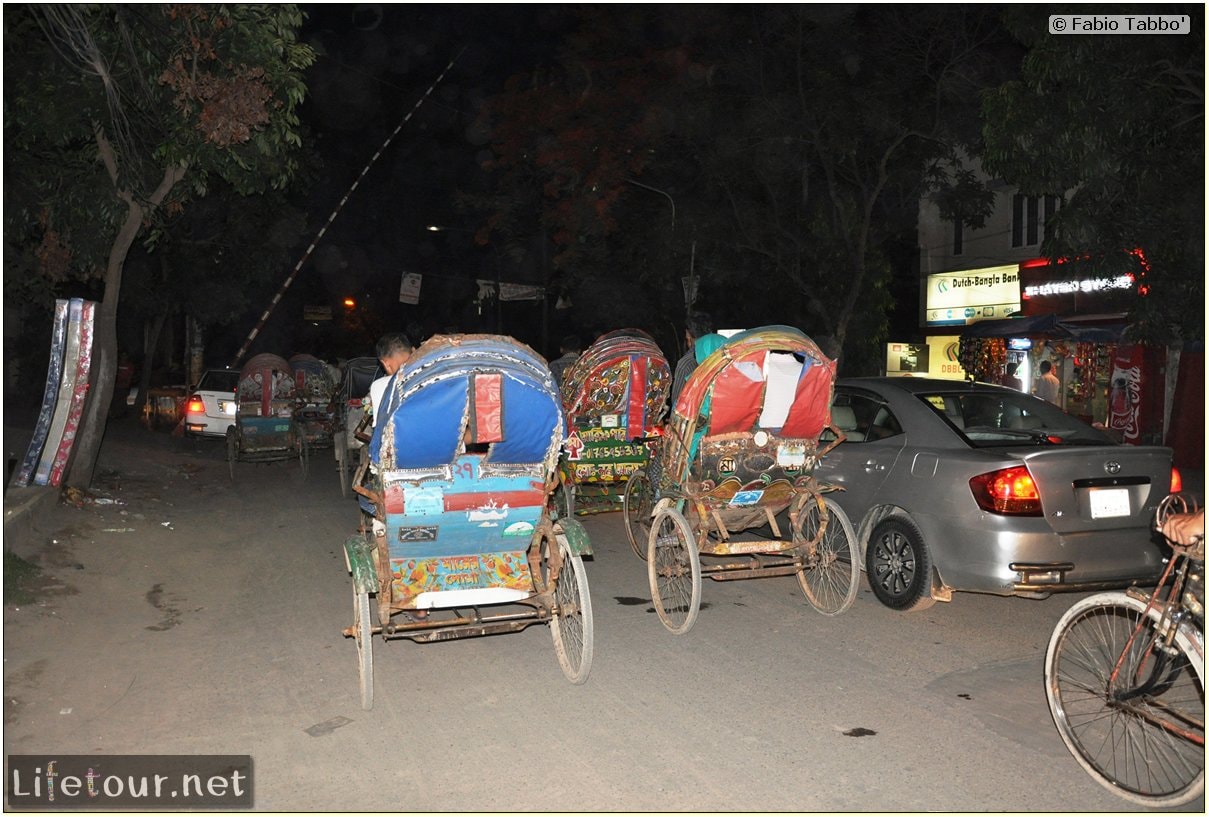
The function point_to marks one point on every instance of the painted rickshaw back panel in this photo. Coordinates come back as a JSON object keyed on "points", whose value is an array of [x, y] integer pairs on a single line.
{"points": [[467, 450], [267, 396], [745, 431], [740, 449], [314, 387], [615, 397], [463, 540]]}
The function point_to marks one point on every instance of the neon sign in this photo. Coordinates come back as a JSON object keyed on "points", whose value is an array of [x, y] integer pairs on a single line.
{"points": [[1085, 285]]}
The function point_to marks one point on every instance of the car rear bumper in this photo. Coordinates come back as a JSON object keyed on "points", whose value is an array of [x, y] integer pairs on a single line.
{"points": [[207, 426], [1028, 563], [1038, 579]]}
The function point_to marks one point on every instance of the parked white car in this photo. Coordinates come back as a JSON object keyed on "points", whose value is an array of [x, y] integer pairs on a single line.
{"points": [[210, 409]]}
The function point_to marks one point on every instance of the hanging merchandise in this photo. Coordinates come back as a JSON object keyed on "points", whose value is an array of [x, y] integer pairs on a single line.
{"points": [[983, 358]]}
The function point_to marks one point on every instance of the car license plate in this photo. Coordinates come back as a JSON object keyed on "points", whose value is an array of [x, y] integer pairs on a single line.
{"points": [[226, 407], [1109, 502]]}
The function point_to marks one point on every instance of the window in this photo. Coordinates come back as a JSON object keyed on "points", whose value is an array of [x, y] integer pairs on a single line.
{"points": [[862, 417], [1018, 220], [1031, 220], [1030, 215]]}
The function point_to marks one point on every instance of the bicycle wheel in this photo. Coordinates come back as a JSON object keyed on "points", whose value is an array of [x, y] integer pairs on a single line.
{"points": [[674, 571], [831, 581], [636, 505], [1142, 734]]}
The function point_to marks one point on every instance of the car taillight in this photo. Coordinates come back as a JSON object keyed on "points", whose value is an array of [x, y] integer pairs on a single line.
{"points": [[195, 405], [1009, 491], [1177, 481]]}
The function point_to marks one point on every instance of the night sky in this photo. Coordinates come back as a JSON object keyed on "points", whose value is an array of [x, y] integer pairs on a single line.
{"points": [[375, 63]]}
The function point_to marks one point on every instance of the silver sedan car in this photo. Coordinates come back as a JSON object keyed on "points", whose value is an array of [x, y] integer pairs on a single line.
{"points": [[969, 486]]}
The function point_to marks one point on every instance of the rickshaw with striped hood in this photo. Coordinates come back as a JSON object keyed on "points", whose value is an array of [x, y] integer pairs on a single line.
{"points": [[731, 494], [615, 398], [464, 540]]}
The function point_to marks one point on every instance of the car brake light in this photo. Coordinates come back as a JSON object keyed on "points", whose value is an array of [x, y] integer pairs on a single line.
{"points": [[1009, 491], [1177, 481], [195, 405]]}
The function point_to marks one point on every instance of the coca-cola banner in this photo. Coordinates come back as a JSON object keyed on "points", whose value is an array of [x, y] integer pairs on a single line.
{"points": [[1136, 393]]}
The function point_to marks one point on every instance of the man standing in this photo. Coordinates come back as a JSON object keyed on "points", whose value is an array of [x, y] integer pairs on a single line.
{"points": [[1048, 385], [697, 325]]}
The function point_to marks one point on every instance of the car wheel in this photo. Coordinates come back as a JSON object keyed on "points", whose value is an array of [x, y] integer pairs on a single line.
{"points": [[899, 566]]}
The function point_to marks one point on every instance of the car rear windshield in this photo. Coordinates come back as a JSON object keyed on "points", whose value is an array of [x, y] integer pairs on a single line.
{"points": [[995, 418], [219, 380]]}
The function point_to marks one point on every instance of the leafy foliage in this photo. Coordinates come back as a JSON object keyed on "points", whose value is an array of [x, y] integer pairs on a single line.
{"points": [[211, 88], [1116, 123], [108, 108], [791, 142]]}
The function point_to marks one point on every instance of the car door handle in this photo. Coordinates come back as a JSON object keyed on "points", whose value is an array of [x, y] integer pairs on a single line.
{"points": [[873, 465]]}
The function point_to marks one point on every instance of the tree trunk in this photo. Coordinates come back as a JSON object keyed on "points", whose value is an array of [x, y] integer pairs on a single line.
{"points": [[152, 347], [105, 340]]}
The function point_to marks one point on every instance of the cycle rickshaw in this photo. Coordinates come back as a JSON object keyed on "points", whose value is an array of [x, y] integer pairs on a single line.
{"points": [[314, 388], [464, 541], [348, 408], [265, 429], [740, 449], [615, 398]]}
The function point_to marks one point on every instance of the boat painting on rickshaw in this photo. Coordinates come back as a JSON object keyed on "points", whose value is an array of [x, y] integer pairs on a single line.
{"points": [[615, 398], [463, 541], [740, 449], [265, 428]]}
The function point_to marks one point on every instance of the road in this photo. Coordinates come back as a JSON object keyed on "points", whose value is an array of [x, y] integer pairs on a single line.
{"points": [[205, 616]]}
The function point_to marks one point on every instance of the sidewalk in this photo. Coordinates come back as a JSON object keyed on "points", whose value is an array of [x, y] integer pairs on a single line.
{"points": [[25, 508]]}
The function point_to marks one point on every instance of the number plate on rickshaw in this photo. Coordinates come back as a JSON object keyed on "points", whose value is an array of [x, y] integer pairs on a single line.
{"points": [[1107, 503], [747, 498], [609, 421]]}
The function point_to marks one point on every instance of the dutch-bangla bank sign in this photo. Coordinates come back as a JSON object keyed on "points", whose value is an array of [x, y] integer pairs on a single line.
{"points": [[967, 296]]}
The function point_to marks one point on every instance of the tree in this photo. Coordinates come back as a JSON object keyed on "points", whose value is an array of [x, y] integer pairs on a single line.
{"points": [[118, 115], [795, 142], [842, 120], [1117, 123]]}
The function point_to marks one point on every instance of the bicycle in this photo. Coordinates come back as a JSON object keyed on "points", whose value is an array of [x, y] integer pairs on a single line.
{"points": [[1124, 677]]}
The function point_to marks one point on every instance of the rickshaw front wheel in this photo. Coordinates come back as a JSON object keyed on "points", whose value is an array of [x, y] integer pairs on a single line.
{"points": [[674, 571], [363, 632], [831, 578], [636, 504], [571, 625]]}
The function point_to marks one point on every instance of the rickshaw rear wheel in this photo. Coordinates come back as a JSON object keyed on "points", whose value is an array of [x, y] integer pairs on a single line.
{"points": [[636, 504], [340, 449], [571, 625], [232, 450], [564, 499], [674, 571], [830, 581], [365, 651]]}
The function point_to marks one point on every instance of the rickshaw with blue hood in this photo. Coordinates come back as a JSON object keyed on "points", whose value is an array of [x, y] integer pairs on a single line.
{"points": [[740, 451], [464, 540]]}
